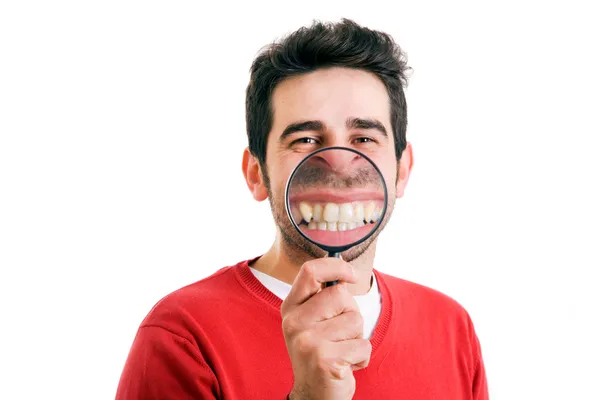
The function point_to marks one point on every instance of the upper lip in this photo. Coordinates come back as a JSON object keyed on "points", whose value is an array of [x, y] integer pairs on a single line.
{"points": [[336, 196]]}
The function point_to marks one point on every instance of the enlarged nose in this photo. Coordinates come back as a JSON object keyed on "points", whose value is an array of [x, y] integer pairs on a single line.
{"points": [[339, 160]]}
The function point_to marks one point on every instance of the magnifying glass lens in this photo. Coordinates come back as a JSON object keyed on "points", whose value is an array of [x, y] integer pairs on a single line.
{"points": [[336, 198]]}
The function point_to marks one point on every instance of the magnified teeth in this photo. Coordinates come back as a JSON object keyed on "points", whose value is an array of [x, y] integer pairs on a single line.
{"points": [[369, 208], [346, 213], [336, 217], [359, 212], [376, 215], [317, 212], [306, 210], [331, 212], [296, 215]]}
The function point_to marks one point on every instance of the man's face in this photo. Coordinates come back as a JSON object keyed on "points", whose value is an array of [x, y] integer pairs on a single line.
{"points": [[329, 107]]}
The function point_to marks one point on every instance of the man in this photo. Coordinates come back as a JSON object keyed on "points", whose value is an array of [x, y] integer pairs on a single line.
{"points": [[268, 328]]}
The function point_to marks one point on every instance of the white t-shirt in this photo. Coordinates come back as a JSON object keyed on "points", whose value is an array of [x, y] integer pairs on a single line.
{"points": [[368, 303]]}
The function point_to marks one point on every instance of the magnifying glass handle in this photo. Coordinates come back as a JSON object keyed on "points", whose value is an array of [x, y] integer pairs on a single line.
{"points": [[336, 255]]}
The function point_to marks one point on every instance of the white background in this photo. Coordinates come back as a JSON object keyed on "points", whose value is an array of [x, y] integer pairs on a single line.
{"points": [[121, 135]]}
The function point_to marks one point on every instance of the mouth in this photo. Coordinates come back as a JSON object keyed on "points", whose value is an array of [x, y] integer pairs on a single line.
{"points": [[334, 216], [337, 224]]}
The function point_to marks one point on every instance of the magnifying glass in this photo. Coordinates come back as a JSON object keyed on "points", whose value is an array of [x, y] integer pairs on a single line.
{"points": [[336, 198]]}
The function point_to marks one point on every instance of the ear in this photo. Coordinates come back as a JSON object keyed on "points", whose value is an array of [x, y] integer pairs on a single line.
{"points": [[404, 169], [253, 176]]}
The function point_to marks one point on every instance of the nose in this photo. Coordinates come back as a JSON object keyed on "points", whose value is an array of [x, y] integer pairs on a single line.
{"points": [[339, 160]]}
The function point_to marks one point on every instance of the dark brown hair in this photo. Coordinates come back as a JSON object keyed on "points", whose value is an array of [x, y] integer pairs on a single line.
{"points": [[341, 44]]}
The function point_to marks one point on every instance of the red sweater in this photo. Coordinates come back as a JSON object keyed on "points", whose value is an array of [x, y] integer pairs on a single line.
{"points": [[220, 338]]}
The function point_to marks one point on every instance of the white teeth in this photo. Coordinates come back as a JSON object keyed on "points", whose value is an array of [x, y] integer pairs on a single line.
{"points": [[317, 212], [346, 212], [331, 212], [306, 211], [296, 215], [332, 226], [347, 215], [369, 211], [376, 215], [359, 213]]}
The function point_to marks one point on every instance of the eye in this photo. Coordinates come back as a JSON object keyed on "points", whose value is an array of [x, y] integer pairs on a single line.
{"points": [[364, 139], [305, 140]]}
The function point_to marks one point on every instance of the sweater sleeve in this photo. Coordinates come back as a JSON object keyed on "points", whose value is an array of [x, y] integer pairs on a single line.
{"points": [[163, 365], [480, 386]]}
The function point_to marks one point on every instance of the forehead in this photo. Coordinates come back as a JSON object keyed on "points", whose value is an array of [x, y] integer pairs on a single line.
{"points": [[331, 95]]}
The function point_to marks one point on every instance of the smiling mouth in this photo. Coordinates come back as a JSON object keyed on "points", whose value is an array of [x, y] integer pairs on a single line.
{"points": [[336, 217]]}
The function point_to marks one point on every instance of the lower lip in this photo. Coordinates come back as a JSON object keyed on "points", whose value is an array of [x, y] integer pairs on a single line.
{"points": [[337, 238]]}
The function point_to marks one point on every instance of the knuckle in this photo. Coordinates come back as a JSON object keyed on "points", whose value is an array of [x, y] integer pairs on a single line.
{"points": [[284, 308], [340, 291], [290, 325], [356, 321], [286, 327], [365, 348], [308, 271], [304, 343]]}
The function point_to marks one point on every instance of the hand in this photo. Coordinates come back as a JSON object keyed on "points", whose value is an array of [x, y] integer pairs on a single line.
{"points": [[323, 331]]}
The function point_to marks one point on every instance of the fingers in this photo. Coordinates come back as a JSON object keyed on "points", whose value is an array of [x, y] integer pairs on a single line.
{"points": [[354, 352], [346, 326], [349, 355], [326, 304], [312, 275]]}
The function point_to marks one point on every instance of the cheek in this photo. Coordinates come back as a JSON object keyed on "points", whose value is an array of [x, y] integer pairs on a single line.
{"points": [[280, 171], [390, 176], [277, 181], [389, 170]]}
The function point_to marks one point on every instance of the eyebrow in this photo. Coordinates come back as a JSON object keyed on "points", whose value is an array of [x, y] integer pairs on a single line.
{"points": [[304, 126], [366, 123], [319, 126]]}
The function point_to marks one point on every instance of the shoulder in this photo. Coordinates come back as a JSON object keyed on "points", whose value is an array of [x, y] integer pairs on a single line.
{"points": [[438, 321], [196, 301], [424, 300]]}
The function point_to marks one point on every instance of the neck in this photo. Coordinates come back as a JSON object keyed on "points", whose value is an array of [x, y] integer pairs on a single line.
{"points": [[277, 263]]}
